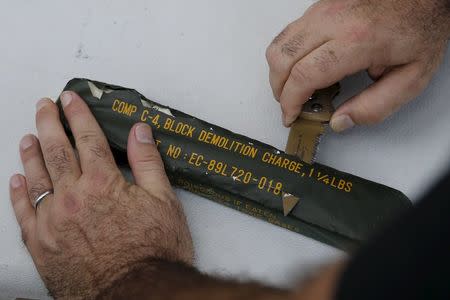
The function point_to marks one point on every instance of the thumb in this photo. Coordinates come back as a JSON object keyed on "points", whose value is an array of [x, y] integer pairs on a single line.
{"points": [[382, 98], [145, 160]]}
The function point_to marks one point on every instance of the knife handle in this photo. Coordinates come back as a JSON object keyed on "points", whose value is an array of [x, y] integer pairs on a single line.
{"points": [[319, 107]]}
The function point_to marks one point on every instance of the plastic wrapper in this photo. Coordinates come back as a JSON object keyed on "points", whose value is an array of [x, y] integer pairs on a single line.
{"points": [[336, 208]]}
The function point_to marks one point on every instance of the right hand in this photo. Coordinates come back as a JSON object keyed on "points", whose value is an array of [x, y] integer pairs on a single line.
{"points": [[400, 42]]}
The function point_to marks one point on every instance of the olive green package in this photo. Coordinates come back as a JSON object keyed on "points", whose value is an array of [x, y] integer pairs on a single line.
{"points": [[335, 208]]}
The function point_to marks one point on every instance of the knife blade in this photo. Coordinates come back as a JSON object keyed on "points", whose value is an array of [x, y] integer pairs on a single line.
{"points": [[306, 132]]}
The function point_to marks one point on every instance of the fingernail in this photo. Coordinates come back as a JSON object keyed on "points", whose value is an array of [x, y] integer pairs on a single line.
{"points": [[41, 103], [15, 181], [143, 134], [26, 142], [342, 123], [66, 98]]}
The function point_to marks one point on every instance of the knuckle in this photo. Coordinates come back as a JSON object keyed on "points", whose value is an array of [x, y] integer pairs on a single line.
{"points": [[48, 244], [58, 158], [299, 74], [71, 203], [281, 36], [361, 32], [37, 189], [98, 179], [290, 49], [156, 171], [294, 45], [88, 137], [99, 151], [136, 193], [273, 55], [150, 158], [325, 60], [57, 151], [100, 207], [103, 183], [95, 143]]}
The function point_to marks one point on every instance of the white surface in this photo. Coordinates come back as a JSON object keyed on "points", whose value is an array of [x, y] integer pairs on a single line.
{"points": [[205, 58]]}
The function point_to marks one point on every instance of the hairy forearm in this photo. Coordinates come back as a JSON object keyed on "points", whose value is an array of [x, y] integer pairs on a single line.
{"points": [[441, 10], [444, 6], [158, 279], [435, 13]]}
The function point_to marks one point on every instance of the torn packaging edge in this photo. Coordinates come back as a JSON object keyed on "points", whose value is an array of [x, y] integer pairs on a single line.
{"points": [[336, 208]]}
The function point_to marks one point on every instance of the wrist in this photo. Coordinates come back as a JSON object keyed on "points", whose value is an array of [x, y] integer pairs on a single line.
{"points": [[150, 274], [176, 280]]}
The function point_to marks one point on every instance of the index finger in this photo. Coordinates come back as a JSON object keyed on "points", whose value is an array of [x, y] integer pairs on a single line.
{"points": [[90, 140], [323, 67]]}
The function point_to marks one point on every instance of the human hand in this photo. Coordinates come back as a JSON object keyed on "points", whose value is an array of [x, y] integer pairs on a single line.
{"points": [[400, 43], [96, 225]]}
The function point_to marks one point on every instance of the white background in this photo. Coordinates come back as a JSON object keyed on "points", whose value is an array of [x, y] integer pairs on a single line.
{"points": [[205, 58]]}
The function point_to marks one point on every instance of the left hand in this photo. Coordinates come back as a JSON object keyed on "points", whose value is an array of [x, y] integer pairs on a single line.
{"points": [[96, 226]]}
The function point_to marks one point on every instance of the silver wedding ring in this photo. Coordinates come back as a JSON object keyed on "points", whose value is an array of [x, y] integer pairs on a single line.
{"points": [[41, 197]]}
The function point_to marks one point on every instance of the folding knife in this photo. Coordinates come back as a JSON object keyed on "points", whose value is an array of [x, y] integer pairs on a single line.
{"points": [[306, 132]]}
